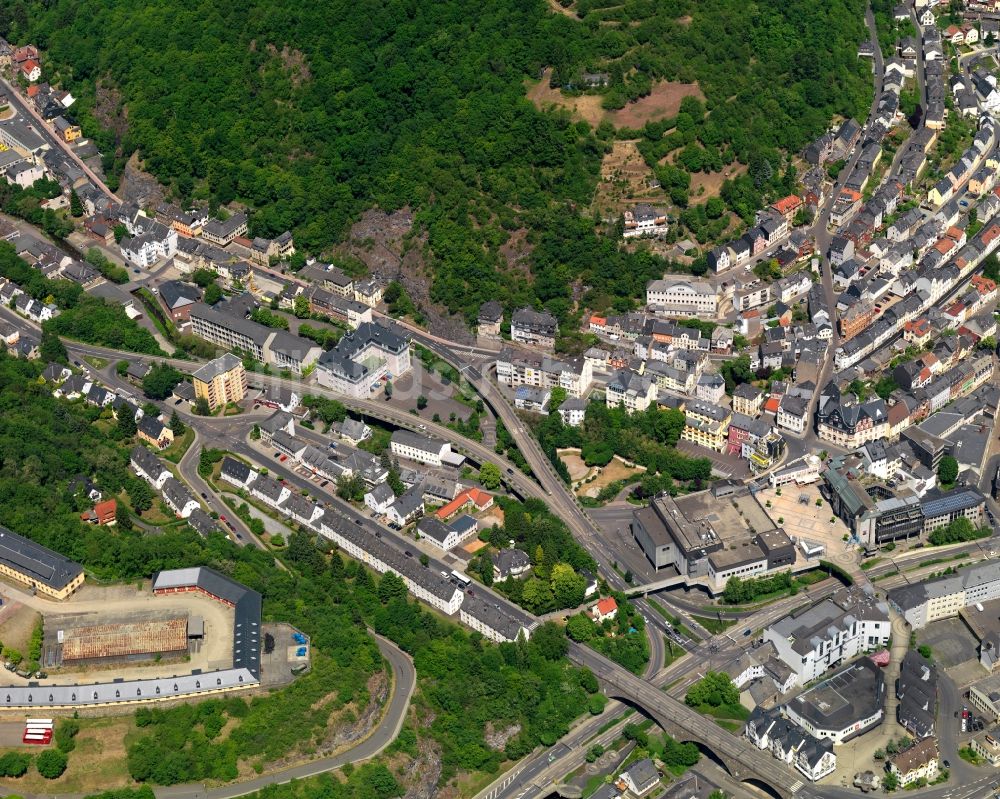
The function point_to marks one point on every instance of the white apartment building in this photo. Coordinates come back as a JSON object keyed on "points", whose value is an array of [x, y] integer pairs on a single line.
{"points": [[682, 297], [363, 359], [630, 390], [943, 597], [422, 449], [573, 375]]}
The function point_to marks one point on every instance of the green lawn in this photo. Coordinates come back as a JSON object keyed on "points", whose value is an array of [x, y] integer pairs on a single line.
{"points": [[713, 624]]}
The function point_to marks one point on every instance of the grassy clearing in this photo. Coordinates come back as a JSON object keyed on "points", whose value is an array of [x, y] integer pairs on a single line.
{"points": [[713, 624]]}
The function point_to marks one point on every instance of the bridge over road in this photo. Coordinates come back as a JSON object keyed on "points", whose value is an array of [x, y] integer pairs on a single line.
{"points": [[740, 758]]}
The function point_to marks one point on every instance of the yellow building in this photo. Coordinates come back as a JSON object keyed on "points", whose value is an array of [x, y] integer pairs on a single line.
{"points": [[706, 425], [221, 381], [48, 573], [67, 130]]}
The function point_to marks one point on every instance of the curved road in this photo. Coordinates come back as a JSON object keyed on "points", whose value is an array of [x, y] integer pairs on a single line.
{"points": [[403, 683]]}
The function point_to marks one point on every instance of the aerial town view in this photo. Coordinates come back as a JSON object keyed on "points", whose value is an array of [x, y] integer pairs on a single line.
{"points": [[530, 399]]}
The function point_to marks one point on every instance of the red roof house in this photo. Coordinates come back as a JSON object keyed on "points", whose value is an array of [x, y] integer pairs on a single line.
{"points": [[607, 608], [102, 513]]}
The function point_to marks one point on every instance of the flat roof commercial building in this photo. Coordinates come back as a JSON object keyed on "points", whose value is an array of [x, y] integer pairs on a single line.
{"points": [[844, 706], [47, 572], [704, 535]]}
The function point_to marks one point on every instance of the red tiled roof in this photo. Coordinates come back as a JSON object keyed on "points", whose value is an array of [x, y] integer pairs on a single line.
{"points": [[471, 495], [102, 512], [787, 204], [607, 606]]}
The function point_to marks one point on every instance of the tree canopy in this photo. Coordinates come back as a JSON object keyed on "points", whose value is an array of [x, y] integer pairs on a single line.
{"points": [[311, 118]]}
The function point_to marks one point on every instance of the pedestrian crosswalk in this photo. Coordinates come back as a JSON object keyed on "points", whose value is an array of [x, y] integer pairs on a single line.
{"points": [[796, 786]]}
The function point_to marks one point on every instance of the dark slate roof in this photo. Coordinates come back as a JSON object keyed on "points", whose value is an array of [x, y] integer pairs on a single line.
{"points": [[37, 562], [246, 601], [235, 469]]}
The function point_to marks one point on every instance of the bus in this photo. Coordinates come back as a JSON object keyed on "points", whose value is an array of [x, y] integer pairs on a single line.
{"points": [[36, 738], [461, 578], [38, 722]]}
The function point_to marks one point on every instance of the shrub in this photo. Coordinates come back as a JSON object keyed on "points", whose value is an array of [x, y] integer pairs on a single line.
{"points": [[51, 763], [14, 764]]}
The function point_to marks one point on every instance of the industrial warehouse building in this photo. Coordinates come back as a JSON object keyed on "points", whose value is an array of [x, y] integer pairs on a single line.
{"points": [[244, 672], [47, 572]]}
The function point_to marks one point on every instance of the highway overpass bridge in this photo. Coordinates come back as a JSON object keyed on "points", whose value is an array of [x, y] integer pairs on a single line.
{"points": [[738, 756]]}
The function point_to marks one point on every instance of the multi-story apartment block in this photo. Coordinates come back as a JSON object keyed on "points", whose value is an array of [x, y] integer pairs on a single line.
{"points": [[706, 425], [221, 381], [747, 399], [534, 328], [844, 421], [630, 390], [277, 348], [223, 232], [943, 597], [574, 375], [364, 358]]}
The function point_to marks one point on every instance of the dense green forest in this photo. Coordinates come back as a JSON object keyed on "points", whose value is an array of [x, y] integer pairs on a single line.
{"points": [[314, 116], [463, 682]]}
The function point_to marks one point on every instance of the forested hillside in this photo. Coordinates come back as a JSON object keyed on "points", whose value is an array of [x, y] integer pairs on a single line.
{"points": [[315, 112], [465, 686]]}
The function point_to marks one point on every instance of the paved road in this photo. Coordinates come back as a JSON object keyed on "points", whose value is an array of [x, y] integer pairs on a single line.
{"points": [[27, 111]]}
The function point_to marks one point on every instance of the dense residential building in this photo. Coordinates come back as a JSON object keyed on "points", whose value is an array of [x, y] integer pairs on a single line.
{"points": [[747, 399], [221, 381], [446, 536], [534, 328], [630, 390], [843, 420], [838, 629], [277, 348], [644, 220], [223, 232], [490, 319], [916, 690], [770, 730], [152, 242], [574, 375], [919, 762], [943, 597], [706, 425]]}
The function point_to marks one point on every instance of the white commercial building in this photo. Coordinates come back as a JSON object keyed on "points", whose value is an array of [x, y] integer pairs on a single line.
{"points": [[836, 630]]}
